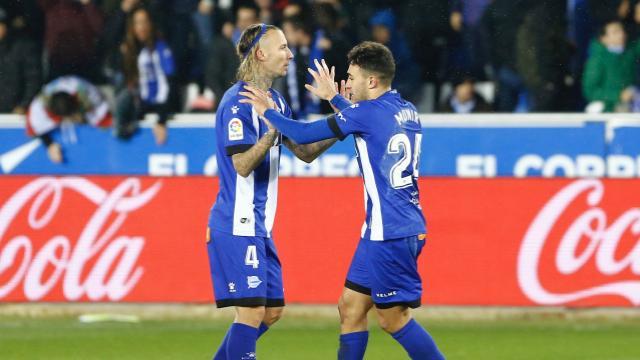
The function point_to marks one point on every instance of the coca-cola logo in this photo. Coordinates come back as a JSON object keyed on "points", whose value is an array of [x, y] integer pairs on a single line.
{"points": [[100, 264], [590, 238]]}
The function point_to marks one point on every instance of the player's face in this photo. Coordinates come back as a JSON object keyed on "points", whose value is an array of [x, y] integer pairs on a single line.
{"points": [[276, 53], [357, 83]]}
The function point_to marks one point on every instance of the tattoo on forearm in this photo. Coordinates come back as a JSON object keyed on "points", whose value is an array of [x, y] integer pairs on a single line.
{"points": [[246, 162]]}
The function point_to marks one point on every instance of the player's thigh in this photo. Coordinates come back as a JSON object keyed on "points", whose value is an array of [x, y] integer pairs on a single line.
{"points": [[236, 269], [273, 278], [393, 272], [358, 278]]}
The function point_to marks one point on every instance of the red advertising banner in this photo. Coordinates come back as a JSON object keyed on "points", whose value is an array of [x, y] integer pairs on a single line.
{"points": [[516, 242]]}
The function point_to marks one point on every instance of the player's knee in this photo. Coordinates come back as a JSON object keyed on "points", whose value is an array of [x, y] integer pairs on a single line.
{"points": [[272, 315], [391, 321], [251, 316], [350, 313]]}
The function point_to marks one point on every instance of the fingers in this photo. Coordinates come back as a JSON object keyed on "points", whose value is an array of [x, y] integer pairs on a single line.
{"points": [[249, 95], [312, 90], [314, 74], [333, 72], [326, 70]]}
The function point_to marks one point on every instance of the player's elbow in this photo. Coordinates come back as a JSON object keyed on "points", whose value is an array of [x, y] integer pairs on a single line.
{"points": [[243, 172], [308, 158]]}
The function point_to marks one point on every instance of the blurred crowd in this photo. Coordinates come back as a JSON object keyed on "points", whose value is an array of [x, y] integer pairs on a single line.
{"points": [[169, 56]]}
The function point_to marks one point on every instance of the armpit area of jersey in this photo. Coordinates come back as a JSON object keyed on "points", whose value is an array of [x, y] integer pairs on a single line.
{"points": [[237, 149]]}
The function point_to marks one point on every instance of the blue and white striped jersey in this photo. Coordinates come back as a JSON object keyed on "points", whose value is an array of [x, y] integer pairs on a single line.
{"points": [[154, 68], [388, 135], [245, 206]]}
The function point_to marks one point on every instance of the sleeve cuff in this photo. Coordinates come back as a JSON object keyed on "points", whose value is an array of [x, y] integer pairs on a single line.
{"points": [[46, 139], [237, 149], [339, 102], [333, 125]]}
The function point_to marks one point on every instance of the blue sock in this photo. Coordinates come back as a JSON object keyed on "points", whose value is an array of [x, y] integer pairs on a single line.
{"points": [[353, 345], [242, 342], [417, 342], [221, 354], [262, 329]]}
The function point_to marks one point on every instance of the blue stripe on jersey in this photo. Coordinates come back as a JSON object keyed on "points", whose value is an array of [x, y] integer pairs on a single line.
{"points": [[244, 206]]}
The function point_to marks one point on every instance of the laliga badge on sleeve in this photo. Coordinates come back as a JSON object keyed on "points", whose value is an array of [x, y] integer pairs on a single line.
{"points": [[235, 129]]}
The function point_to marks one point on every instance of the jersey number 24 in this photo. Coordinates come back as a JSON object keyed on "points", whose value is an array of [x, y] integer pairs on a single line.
{"points": [[400, 143]]}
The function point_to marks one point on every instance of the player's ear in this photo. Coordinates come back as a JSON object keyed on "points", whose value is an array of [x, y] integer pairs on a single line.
{"points": [[260, 54], [373, 82]]}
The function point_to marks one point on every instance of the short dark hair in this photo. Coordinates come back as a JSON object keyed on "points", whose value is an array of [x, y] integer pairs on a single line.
{"points": [[375, 58], [63, 104], [298, 22]]}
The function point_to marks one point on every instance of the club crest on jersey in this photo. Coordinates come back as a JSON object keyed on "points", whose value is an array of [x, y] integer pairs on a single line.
{"points": [[235, 129], [253, 282]]}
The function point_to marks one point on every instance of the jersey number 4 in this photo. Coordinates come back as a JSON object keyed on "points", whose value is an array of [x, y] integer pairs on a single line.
{"points": [[400, 143], [251, 258]]}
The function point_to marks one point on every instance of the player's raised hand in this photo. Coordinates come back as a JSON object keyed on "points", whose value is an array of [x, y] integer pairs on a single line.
{"points": [[325, 87], [259, 99]]}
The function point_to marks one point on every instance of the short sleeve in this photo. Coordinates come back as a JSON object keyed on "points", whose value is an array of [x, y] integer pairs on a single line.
{"points": [[352, 120], [237, 129]]}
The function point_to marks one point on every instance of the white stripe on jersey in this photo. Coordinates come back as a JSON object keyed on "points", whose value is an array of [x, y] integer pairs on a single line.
{"points": [[272, 189], [142, 75], [244, 220], [372, 190], [364, 225], [163, 85]]}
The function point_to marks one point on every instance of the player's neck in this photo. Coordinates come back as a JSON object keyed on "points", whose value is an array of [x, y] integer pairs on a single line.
{"points": [[261, 82], [377, 92]]}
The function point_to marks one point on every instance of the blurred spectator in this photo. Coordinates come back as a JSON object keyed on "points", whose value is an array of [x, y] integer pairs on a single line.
{"points": [[189, 30], [26, 19], [465, 18], [611, 69], [602, 11], [543, 55], [501, 21], [307, 45], [72, 30], [246, 14], [148, 69], [63, 102], [113, 37], [223, 61], [465, 99], [266, 11], [633, 24], [384, 31], [20, 69], [336, 44], [426, 26]]}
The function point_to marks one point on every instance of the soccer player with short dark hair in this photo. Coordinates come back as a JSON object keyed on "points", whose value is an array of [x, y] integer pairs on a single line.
{"points": [[387, 132], [244, 264]]}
